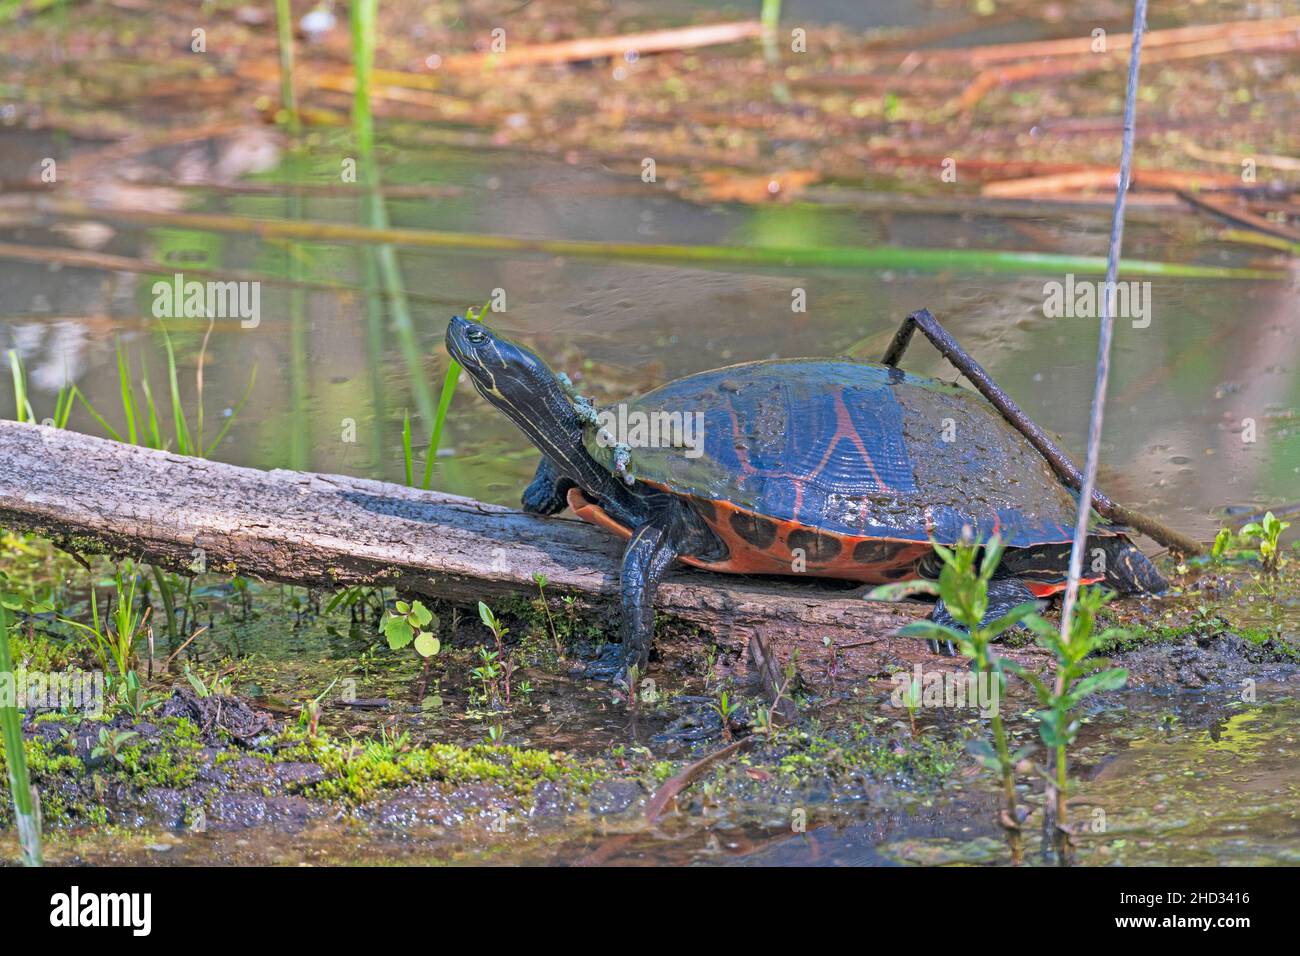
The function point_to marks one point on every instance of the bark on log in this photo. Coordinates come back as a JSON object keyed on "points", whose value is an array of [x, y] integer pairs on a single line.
{"points": [[90, 494]]}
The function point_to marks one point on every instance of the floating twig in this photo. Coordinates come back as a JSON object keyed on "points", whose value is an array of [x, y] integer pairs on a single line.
{"points": [[594, 48], [675, 785]]}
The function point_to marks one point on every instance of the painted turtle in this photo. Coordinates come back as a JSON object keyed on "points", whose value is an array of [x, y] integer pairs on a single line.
{"points": [[821, 467]]}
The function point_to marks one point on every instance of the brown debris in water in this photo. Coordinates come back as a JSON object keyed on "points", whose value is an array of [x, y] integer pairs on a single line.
{"points": [[218, 712]]}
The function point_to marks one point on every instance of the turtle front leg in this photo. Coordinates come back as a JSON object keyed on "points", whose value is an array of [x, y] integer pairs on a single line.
{"points": [[649, 555], [547, 493], [1004, 594]]}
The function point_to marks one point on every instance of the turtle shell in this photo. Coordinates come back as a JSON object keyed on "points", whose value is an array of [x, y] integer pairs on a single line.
{"points": [[850, 467]]}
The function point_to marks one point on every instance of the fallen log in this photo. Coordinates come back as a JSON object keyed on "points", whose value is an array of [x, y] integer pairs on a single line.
{"points": [[89, 494]]}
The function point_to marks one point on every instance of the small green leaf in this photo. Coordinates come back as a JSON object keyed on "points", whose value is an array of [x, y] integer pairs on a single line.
{"points": [[1013, 617], [1022, 753], [903, 589], [932, 631], [983, 752], [398, 632], [1112, 679], [421, 614], [427, 645]]}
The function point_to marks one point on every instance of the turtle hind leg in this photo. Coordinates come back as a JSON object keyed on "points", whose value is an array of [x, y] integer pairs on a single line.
{"points": [[1005, 593], [1126, 569], [547, 493], [650, 553]]}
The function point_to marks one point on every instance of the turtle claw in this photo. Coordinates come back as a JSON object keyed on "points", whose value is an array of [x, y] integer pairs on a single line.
{"points": [[946, 649]]}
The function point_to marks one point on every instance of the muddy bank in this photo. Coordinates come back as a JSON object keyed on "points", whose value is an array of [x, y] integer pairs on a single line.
{"points": [[289, 731], [199, 772]]}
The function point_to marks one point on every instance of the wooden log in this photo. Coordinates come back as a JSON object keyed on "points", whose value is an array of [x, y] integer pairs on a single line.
{"points": [[330, 531]]}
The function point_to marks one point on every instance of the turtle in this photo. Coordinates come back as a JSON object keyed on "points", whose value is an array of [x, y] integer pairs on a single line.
{"points": [[819, 467]]}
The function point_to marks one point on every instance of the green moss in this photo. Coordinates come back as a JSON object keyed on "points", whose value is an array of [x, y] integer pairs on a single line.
{"points": [[165, 761], [809, 754], [1136, 636], [37, 652], [45, 760], [357, 771]]}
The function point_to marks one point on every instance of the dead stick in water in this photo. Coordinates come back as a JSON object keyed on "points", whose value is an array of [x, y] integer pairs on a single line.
{"points": [[592, 48], [1020, 72], [675, 785], [1243, 217], [1013, 413], [1001, 52], [107, 262], [1104, 178]]}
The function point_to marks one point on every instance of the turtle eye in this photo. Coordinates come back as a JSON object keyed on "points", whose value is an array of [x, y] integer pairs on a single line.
{"points": [[476, 335]]}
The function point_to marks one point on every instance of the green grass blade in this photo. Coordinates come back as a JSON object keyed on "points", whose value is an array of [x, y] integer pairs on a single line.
{"points": [[922, 260], [184, 444], [387, 266], [233, 414], [22, 408], [284, 33], [63, 405], [444, 402], [128, 396], [406, 448], [94, 413], [20, 784], [155, 431]]}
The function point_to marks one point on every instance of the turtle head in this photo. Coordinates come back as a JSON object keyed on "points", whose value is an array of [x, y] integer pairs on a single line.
{"points": [[520, 384]]}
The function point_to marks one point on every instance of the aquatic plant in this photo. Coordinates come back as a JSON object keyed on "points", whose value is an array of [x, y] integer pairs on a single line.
{"points": [[112, 744], [1268, 530], [412, 623], [497, 664], [309, 714], [284, 40], [726, 709], [541, 581], [1077, 672], [22, 403], [1078, 675], [963, 586], [445, 396], [765, 714], [357, 599], [488, 673], [912, 701], [25, 798], [143, 426], [113, 639]]}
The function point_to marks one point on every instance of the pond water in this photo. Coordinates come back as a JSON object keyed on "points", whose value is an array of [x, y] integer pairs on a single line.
{"points": [[1217, 355], [1202, 423]]}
